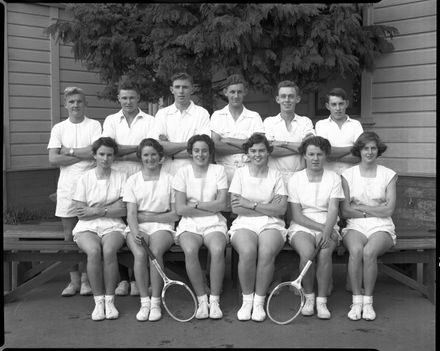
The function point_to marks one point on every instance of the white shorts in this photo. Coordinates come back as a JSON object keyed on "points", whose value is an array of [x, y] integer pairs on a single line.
{"points": [[100, 226], [65, 207], [370, 225], [258, 225], [319, 217], [202, 226], [335, 236], [153, 227]]}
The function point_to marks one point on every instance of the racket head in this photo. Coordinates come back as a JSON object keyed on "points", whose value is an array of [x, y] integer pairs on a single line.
{"points": [[285, 302], [179, 301]]}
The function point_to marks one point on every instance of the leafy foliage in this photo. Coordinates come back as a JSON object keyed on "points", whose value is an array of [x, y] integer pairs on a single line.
{"points": [[264, 42]]}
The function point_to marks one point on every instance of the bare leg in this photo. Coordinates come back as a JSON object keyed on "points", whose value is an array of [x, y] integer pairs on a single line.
{"points": [[216, 243], [355, 241], [90, 243], [324, 268], [190, 244], [245, 242], [111, 243], [304, 245], [140, 266], [160, 242]]}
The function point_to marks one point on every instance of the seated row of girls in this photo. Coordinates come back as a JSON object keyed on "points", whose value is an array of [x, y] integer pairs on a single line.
{"points": [[259, 198]]}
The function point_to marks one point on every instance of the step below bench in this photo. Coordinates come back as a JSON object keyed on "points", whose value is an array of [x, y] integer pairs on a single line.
{"points": [[43, 245]]}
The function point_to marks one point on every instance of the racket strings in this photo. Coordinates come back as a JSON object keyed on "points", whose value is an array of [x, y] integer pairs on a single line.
{"points": [[285, 304], [179, 302]]}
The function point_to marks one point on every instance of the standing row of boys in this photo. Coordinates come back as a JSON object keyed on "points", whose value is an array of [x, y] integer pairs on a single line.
{"points": [[159, 170]]}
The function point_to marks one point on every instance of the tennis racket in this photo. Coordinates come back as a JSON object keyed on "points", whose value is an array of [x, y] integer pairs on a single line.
{"points": [[287, 299], [177, 297]]}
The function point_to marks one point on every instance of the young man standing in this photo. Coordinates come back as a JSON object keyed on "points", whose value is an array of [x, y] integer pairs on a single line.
{"points": [[341, 130], [233, 125], [287, 130], [70, 149], [128, 127], [176, 123]]}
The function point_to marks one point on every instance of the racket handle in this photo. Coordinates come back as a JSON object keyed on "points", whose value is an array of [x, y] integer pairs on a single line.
{"points": [[147, 248]]}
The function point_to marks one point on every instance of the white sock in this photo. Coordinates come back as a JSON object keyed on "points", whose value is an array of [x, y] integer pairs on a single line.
{"points": [[310, 296], [321, 299], [109, 298], [367, 299], [155, 301], [357, 299], [98, 298], [145, 300], [259, 299], [202, 298], [213, 298], [248, 297]]}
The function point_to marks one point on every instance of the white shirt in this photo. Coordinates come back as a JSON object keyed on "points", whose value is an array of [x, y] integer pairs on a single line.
{"points": [[74, 135], [339, 137], [180, 126], [275, 129], [243, 127], [150, 195]]}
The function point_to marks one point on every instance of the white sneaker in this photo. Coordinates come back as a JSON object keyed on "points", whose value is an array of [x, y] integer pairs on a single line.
{"points": [[86, 290], [143, 313], [244, 313], [110, 310], [98, 313], [368, 312], [258, 313], [134, 289], [355, 312], [214, 310], [70, 290], [322, 310], [155, 313], [309, 307], [202, 310], [122, 288]]}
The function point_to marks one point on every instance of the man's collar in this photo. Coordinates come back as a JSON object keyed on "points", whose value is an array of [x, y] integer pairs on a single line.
{"points": [[140, 114]]}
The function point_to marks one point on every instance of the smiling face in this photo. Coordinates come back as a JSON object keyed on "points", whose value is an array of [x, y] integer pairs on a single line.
{"points": [[182, 90], [235, 94], [287, 99], [150, 158], [337, 107], [258, 154], [315, 158], [75, 105], [369, 152], [104, 157], [129, 100], [200, 153]]}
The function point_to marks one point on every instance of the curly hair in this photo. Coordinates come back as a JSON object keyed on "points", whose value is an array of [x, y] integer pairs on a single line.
{"points": [[104, 141], [150, 142], [317, 141], [363, 139], [201, 137], [257, 138]]}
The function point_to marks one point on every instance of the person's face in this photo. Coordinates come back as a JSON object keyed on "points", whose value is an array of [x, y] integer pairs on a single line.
{"points": [[369, 152], [150, 157], [258, 154], [337, 107], [75, 105], [129, 100], [287, 99], [235, 94], [104, 157], [315, 158], [182, 90], [200, 153]]}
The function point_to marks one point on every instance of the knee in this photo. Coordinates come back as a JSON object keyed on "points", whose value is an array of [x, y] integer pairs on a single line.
{"points": [[94, 254], [191, 252], [217, 252], [356, 253], [266, 256], [325, 256], [247, 255], [369, 255], [109, 254]]}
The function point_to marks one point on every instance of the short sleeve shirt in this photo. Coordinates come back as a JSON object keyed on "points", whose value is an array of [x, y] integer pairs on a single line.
{"points": [[368, 191], [256, 189], [150, 195], [99, 192], [200, 189], [314, 197], [115, 126], [275, 129], [179, 127], [339, 137]]}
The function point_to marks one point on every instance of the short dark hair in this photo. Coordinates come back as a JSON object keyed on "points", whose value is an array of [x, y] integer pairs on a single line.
{"points": [[181, 76], [257, 138], [201, 137], [235, 79], [363, 139], [128, 84], [339, 92], [104, 141], [288, 84], [317, 141], [149, 142]]}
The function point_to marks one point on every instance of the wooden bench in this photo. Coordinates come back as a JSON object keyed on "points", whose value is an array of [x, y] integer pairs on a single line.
{"points": [[414, 247], [50, 255]]}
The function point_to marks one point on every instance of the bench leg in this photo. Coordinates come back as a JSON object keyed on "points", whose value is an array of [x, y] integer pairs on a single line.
{"points": [[429, 271]]}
